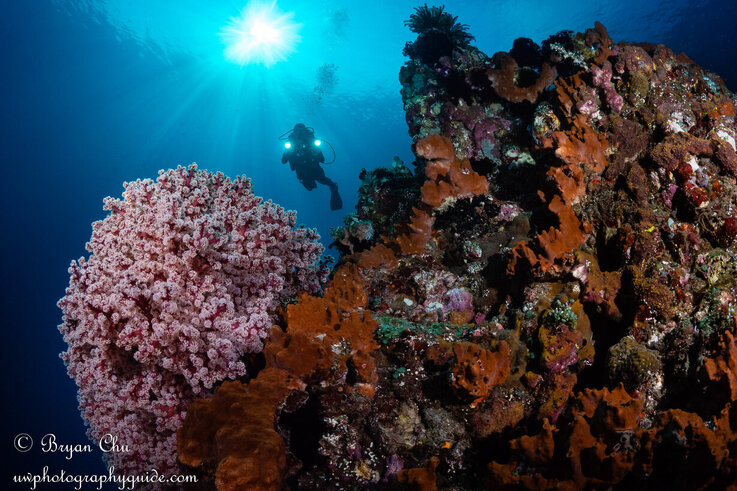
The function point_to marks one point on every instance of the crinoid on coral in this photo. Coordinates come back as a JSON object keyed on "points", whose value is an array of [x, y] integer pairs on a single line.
{"points": [[439, 33]]}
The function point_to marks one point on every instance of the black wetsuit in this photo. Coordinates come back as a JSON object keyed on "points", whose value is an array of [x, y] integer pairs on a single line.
{"points": [[305, 159]]}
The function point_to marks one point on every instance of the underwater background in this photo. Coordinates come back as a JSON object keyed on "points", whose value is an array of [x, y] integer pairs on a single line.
{"points": [[95, 93]]}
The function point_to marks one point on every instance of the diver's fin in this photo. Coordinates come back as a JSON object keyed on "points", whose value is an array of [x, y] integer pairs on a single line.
{"points": [[336, 203]]}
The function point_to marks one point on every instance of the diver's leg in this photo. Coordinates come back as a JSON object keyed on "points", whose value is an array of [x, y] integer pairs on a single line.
{"points": [[336, 202], [320, 177]]}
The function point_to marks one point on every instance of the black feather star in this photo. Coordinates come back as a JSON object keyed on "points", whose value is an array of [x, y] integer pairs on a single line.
{"points": [[426, 19]]}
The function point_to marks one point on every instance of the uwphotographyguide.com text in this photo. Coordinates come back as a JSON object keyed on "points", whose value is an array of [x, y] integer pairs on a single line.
{"points": [[34, 481]]}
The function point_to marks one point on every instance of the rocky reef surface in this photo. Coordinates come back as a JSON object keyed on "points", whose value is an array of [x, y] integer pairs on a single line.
{"points": [[544, 300]]}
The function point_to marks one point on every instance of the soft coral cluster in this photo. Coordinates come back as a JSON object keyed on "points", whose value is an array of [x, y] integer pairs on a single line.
{"points": [[183, 277]]}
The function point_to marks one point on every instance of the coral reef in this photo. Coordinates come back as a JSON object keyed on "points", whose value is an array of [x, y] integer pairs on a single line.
{"points": [[546, 299], [551, 289], [183, 278], [385, 198]]}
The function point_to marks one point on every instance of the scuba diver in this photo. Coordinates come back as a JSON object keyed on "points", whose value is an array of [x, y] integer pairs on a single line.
{"points": [[304, 156]]}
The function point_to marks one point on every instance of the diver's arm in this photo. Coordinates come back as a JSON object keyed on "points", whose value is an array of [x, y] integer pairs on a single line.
{"points": [[285, 157], [319, 156]]}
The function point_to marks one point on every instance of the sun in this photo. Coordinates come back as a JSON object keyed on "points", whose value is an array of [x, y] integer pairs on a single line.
{"points": [[261, 34]]}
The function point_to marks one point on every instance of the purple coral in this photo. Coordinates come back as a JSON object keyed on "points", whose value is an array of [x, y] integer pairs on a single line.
{"points": [[480, 124], [182, 278], [603, 80], [459, 300]]}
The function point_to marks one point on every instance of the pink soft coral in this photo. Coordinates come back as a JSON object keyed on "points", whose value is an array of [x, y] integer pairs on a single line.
{"points": [[181, 282]]}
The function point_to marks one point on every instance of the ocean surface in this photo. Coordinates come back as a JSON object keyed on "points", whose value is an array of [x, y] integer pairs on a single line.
{"points": [[95, 93]]}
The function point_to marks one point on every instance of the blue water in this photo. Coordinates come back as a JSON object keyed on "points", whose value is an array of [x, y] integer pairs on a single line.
{"points": [[94, 93]]}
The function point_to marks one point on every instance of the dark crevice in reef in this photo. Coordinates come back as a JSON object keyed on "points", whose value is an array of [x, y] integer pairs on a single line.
{"points": [[303, 429], [607, 333], [254, 363]]}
